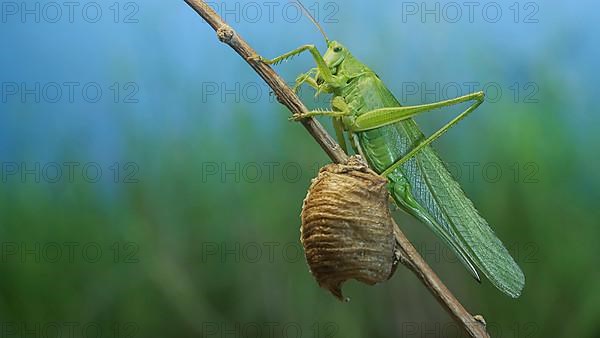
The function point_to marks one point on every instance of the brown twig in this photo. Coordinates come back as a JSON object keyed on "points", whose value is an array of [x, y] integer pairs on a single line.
{"points": [[408, 255]]}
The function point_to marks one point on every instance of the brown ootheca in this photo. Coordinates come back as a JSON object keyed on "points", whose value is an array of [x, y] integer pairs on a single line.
{"points": [[347, 229]]}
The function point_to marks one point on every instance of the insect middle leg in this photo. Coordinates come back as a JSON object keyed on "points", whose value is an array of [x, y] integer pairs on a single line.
{"points": [[338, 126], [385, 116], [340, 109], [308, 79]]}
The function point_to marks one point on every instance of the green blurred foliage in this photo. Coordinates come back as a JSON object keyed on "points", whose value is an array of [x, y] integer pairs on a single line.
{"points": [[200, 243], [209, 249]]}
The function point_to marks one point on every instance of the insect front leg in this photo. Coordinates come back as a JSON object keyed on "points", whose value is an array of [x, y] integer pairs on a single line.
{"points": [[323, 70]]}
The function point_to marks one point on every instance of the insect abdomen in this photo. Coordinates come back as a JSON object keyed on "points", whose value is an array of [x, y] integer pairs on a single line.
{"points": [[424, 188]]}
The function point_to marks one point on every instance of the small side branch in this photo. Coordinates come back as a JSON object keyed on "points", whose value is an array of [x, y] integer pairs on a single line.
{"points": [[473, 325]]}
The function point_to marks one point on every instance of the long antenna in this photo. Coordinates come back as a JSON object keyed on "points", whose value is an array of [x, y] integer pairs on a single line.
{"points": [[312, 18]]}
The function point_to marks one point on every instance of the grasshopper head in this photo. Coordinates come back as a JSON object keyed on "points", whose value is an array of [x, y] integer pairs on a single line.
{"points": [[336, 53]]}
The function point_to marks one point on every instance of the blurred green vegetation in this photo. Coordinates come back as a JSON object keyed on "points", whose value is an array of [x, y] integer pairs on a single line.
{"points": [[194, 241], [195, 234]]}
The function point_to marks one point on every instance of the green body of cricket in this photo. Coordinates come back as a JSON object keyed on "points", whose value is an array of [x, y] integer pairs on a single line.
{"points": [[366, 113]]}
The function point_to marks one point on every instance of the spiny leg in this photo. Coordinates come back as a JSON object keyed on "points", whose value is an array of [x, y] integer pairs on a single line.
{"points": [[306, 78], [319, 112], [384, 116], [434, 136], [324, 71], [338, 126], [339, 109]]}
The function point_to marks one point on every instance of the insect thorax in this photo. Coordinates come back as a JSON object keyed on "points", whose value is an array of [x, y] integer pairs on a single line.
{"points": [[365, 92]]}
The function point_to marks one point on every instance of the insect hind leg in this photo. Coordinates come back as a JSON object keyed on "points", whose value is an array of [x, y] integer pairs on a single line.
{"points": [[434, 136]]}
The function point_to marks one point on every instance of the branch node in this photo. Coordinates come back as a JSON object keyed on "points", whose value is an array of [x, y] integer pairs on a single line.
{"points": [[225, 34], [480, 320]]}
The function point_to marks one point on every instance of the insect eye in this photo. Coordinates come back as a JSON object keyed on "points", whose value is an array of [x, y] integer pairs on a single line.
{"points": [[337, 49]]}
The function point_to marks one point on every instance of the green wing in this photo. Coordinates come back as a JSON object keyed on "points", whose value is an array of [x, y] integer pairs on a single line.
{"points": [[424, 187]]}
